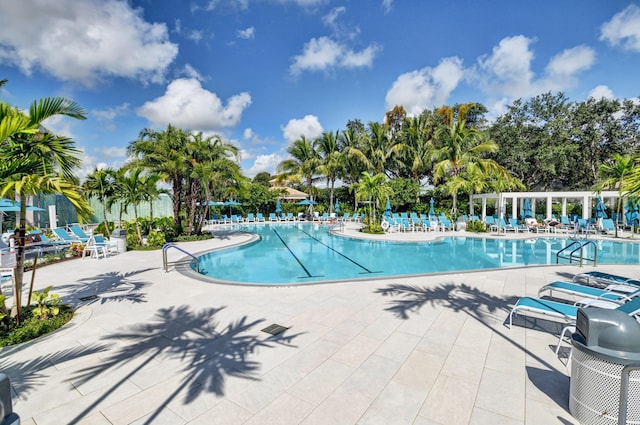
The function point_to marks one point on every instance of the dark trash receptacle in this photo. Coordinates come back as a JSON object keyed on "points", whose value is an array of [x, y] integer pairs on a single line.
{"points": [[120, 237], [7, 415], [606, 348]]}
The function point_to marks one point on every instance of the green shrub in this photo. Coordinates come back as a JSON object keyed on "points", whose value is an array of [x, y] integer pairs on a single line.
{"points": [[46, 305], [476, 226], [373, 228], [156, 239], [32, 327]]}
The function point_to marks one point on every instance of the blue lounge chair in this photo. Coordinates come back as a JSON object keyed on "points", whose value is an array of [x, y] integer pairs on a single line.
{"points": [[491, 222], [583, 291], [63, 235], [605, 279], [273, 217], [609, 227], [291, 217], [79, 233], [564, 311], [445, 223], [259, 217], [250, 218]]}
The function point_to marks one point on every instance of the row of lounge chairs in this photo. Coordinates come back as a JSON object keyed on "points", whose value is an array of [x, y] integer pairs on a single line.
{"points": [[404, 222], [613, 292], [280, 217]]}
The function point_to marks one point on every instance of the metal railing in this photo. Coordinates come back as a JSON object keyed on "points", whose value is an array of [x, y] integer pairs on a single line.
{"points": [[165, 264], [624, 392], [578, 246]]}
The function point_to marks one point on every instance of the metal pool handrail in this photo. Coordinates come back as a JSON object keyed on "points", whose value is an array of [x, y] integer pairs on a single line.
{"points": [[166, 247]]}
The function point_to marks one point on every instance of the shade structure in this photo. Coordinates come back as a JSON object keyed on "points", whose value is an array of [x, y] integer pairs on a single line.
{"points": [[601, 209], [432, 211], [526, 209], [231, 203], [216, 204], [307, 202], [387, 209], [336, 207], [278, 207], [7, 205]]}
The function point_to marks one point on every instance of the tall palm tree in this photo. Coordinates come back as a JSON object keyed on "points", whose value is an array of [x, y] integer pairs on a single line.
{"points": [[373, 189], [34, 162], [100, 184], [131, 189], [617, 172], [457, 146], [164, 152], [354, 160], [331, 161], [303, 164]]}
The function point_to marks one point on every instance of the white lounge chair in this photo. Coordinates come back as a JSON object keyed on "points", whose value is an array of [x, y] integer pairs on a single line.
{"points": [[94, 249]]}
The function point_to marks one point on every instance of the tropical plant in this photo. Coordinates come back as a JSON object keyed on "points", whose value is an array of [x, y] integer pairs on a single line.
{"points": [[331, 161], [34, 161], [46, 304], [303, 164], [615, 173], [100, 184], [132, 194], [373, 190]]}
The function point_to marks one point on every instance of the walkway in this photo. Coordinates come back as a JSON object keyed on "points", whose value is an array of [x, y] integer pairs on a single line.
{"points": [[147, 347]]}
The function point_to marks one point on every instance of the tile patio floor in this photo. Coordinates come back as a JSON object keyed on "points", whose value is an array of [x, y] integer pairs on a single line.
{"points": [[156, 348]]}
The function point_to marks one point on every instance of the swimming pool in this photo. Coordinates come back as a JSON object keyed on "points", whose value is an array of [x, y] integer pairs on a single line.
{"points": [[308, 253]]}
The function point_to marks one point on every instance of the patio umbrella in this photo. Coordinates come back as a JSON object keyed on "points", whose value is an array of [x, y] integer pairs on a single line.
{"points": [[387, 209], [278, 207], [337, 206], [632, 213], [601, 209], [432, 212], [216, 204], [230, 204], [526, 209], [307, 202]]}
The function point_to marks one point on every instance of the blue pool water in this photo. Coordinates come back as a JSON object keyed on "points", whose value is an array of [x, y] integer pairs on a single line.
{"points": [[307, 253]]}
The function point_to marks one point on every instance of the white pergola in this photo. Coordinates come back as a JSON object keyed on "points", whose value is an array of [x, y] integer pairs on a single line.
{"points": [[544, 200]]}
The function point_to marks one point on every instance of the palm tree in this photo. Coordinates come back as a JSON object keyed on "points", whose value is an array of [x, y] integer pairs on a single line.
{"points": [[34, 162], [99, 184], [616, 172], [457, 146], [331, 161], [354, 160], [131, 191], [373, 189], [164, 152], [303, 164]]}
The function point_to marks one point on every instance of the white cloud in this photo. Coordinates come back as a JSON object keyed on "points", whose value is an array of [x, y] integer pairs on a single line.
{"points": [[262, 163], [190, 72], [387, 5], [331, 18], [188, 105], [508, 69], [247, 133], [246, 34], [309, 127], [112, 152], [425, 88], [600, 92], [84, 41], [195, 35], [110, 113], [507, 72], [571, 61], [623, 29], [324, 53]]}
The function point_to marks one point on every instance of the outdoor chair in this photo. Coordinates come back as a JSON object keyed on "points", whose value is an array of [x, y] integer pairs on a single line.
{"points": [[259, 217], [615, 293], [65, 236], [273, 217], [93, 249], [605, 279], [250, 218], [111, 246], [609, 227], [567, 312], [78, 232]]}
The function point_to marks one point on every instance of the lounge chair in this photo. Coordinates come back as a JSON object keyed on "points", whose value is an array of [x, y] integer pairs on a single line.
{"points": [[259, 217], [513, 222], [273, 217], [491, 222], [405, 225], [291, 217], [609, 227], [94, 249], [445, 223], [610, 293], [63, 235], [79, 233], [250, 218], [605, 279], [111, 246], [567, 312]]}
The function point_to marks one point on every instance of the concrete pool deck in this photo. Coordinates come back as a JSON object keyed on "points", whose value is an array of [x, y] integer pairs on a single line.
{"points": [[149, 347]]}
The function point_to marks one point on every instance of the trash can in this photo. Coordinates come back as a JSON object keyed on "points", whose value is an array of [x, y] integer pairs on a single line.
{"points": [[120, 237], [605, 342]]}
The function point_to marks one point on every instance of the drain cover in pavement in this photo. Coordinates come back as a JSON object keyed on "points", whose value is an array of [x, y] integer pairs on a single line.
{"points": [[274, 329]]}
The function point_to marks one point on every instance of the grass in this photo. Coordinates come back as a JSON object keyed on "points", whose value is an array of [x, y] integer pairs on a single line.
{"points": [[32, 327]]}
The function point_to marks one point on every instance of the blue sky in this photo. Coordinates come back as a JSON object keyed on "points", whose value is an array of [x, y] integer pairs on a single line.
{"points": [[261, 73]]}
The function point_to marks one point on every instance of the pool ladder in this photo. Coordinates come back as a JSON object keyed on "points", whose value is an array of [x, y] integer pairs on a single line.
{"points": [[578, 245], [165, 264]]}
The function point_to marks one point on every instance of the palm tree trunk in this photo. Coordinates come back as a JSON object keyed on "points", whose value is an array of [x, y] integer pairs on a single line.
{"points": [[20, 254], [138, 231], [104, 217]]}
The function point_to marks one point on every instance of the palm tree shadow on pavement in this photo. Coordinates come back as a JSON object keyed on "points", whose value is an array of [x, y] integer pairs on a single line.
{"points": [[106, 287], [481, 306], [208, 352]]}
